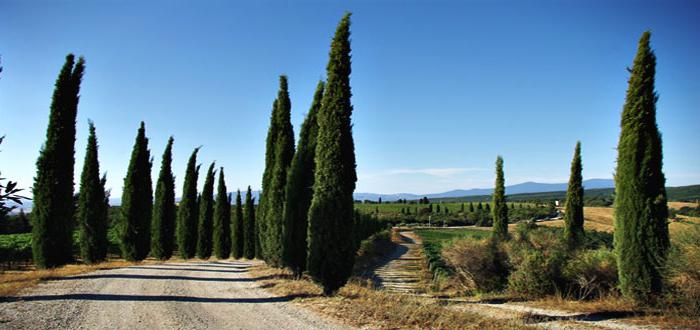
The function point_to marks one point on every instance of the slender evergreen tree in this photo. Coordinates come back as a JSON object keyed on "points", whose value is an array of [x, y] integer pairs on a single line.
{"points": [[331, 247], [91, 206], [52, 214], [573, 219], [222, 219], [249, 236], [271, 139], [500, 212], [187, 211], [641, 212], [272, 241], [163, 226], [137, 202], [237, 229], [299, 190], [206, 215]]}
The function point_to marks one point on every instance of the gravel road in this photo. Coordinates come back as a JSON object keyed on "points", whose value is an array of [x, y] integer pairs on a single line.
{"points": [[187, 295]]}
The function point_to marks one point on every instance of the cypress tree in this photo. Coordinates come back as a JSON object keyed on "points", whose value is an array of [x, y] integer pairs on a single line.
{"points": [[272, 240], [573, 219], [222, 219], [331, 248], [272, 133], [187, 212], [163, 226], [53, 210], [641, 228], [300, 190], [471, 207], [488, 207], [137, 201], [91, 206], [249, 241], [237, 230], [206, 215], [500, 212]]}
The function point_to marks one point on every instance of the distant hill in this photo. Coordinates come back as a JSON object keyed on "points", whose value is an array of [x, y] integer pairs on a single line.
{"points": [[521, 188]]}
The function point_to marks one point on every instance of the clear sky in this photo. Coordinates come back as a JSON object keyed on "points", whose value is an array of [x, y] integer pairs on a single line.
{"points": [[440, 88]]}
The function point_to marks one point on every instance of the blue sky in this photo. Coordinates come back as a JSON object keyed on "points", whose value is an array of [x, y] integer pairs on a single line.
{"points": [[440, 88]]}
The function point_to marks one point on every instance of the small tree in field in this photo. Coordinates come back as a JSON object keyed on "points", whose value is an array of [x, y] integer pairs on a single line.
{"points": [[573, 219], [500, 211]]}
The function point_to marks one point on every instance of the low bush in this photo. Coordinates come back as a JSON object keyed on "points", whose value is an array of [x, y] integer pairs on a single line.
{"points": [[538, 258], [683, 278], [591, 274], [15, 248], [480, 265]]}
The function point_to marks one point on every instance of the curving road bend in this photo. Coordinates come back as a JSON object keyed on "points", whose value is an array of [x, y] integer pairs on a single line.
{"points": [[186, 295]]}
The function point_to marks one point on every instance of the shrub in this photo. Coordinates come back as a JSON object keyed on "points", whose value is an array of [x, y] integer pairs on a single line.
{"points": [[538, 257], [591, 274], [684, 273], [480, 265]]}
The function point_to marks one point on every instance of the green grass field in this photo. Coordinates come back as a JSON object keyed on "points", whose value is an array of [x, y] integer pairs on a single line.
{"points": [[444, 235]]}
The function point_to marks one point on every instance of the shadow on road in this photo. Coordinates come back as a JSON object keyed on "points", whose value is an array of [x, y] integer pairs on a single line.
{"points": [[159, 298], [591, 317], [152, 277], [190, 269]]}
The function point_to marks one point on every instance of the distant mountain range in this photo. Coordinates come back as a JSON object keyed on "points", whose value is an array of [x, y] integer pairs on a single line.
{"points": [[521, 188]]}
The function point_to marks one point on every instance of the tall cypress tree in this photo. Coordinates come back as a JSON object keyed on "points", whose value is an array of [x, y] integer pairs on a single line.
{"points": [[272, 240], [187, 211], [222, 219], [206, 215], [249, 235], [299, 190], [137, 201], [331, 248], [272, 133], [641, 228], [573, 219], [91, 206], [163, 226], [500, 211], [237, 230], [53, 185]]}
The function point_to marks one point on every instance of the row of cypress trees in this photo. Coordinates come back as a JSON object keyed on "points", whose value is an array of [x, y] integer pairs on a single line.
{"points": [[146, 225], [641, 237], [306, 212]]}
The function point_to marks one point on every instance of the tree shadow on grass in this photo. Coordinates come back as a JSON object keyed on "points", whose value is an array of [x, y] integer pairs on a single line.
{"points": [[590, 317], [156, 298], [211, 264]]}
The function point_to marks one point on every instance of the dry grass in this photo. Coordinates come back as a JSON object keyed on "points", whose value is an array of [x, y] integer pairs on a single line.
{"points": [[359, 305], [13, 282], [638, 316], [678, 205]]}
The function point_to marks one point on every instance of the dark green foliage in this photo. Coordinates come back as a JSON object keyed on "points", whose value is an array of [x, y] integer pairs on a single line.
{"points": [[187, 211], [271, 240], [331, 253], [238, 230], [500, 211], [641, 229], [137, 202], [249, 234], [92, 213], [206, 216], [271, 139], [163, 226], [53, 185], [573, 230], [222, 220], [299, 190]]}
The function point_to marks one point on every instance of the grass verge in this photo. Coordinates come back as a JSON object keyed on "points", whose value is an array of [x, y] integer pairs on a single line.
{"points": [[357, 304]]}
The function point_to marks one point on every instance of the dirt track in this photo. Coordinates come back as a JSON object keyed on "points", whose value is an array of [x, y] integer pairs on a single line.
{"points": [[191, 295]]}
